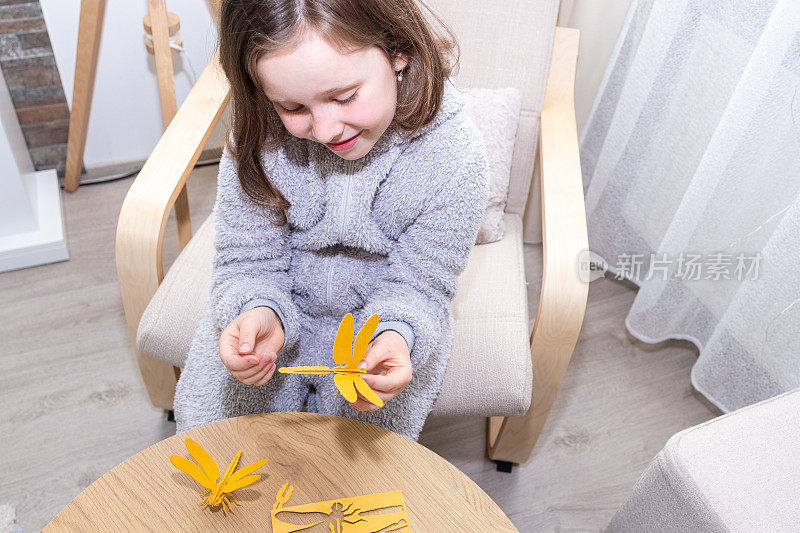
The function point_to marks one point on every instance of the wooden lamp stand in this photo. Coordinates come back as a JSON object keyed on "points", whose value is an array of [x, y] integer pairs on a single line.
{"points": [[160, 25]]}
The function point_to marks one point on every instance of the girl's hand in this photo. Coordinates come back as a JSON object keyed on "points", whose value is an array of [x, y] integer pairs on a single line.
{"points": [[249, 344], [388, 365]]}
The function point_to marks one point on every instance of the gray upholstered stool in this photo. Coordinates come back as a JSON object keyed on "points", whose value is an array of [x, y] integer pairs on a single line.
{"points": [[737, 472]]}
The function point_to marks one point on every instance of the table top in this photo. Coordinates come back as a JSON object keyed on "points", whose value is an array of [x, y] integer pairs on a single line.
{"points": [[324, 457]]}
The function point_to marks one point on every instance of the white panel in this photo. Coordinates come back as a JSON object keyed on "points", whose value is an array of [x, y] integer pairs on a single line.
{"points": [[125, 119], [17, 212]]}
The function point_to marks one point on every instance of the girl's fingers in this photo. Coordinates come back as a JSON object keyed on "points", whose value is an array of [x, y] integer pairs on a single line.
{"points": [[256, 368], [237, 363], [267, 377], [228, 341], [362, 404], [229, 352], [394, 380], [248, 332], [386, 386], [258, 376]]}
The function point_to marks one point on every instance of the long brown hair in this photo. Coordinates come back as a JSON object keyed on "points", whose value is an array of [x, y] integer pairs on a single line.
{"points": [[249, 28]]}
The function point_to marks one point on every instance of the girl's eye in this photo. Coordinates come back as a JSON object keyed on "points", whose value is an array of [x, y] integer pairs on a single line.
{"points": [[348, 100], [340, 102]]}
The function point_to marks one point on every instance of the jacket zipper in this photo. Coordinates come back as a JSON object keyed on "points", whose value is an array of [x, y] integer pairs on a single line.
{"points": [[346, 201], [329, 286], [342, 227]]}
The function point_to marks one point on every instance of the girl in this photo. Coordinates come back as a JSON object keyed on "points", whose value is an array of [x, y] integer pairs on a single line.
{"points": [[352, 182]]}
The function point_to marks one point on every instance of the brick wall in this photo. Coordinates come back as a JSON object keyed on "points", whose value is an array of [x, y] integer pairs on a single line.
{"points": [[29, 68]]}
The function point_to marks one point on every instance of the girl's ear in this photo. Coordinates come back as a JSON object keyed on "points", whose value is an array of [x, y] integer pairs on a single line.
{"points": [[400, 62]]}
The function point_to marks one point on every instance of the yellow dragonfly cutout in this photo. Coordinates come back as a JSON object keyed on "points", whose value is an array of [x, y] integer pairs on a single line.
{"points": [[346, 376], [384, 511], [207, 474]]}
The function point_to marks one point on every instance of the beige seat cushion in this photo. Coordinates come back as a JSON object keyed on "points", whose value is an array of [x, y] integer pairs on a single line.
{"points": [[489, 373]]}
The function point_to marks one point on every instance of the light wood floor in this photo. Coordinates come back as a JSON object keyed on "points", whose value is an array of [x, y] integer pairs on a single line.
{"points": [[73, 405]]}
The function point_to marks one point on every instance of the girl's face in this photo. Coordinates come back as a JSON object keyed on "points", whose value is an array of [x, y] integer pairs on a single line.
{"points": [[344, 101]]}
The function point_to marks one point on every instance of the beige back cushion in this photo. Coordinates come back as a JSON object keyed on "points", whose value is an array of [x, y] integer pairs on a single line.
{"points": [[506, 43]]}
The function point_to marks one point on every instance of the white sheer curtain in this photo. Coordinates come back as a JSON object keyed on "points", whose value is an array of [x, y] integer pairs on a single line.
{"points": [[691, 162]]}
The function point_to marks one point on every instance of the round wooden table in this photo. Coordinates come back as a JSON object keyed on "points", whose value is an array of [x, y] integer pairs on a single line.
{"points": [[324, 457]]}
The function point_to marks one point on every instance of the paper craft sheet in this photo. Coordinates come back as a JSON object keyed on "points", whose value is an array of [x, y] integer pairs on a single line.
{"points": [[383, 511]]}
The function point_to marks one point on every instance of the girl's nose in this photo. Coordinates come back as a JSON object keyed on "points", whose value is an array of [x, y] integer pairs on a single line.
{"points": [[327, 128]]}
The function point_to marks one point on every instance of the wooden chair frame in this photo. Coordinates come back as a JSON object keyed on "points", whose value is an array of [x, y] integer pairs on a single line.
{"points": [[562, 302]]}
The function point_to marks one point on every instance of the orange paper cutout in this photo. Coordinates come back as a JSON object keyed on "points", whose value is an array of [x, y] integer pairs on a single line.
{"points": [[357, 514], [347, 376], [207, 473]]}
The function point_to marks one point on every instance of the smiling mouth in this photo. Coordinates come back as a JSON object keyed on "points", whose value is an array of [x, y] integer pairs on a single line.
{"points": [[344, 144]]}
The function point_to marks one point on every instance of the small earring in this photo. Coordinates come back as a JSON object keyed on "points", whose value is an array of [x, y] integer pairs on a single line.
{"points": [[399, 76]]}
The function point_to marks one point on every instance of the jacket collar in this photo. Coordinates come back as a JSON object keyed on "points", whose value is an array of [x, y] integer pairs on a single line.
{"points": [[452, 102]]}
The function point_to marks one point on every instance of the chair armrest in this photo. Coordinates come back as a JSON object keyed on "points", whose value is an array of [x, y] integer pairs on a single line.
{"points": [[144, 213], [562, 301]]}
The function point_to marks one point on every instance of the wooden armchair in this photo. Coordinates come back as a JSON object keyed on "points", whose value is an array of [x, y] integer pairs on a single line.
{"points": [[512, 428]]}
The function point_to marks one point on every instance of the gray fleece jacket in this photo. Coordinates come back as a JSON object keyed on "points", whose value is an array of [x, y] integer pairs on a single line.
{"points": [[387, 234]]}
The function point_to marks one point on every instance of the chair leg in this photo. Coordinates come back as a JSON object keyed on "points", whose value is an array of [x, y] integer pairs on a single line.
{"points": [[159, 379], [504, 466], [511, 439]]}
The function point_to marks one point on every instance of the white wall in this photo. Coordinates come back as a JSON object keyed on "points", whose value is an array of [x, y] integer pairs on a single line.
{"points": [[125, 120], [600, 22]]}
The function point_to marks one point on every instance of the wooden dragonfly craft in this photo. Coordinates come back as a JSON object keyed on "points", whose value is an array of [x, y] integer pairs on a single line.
{"points": [[346, 354], [206, 472], [384, 512]]}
